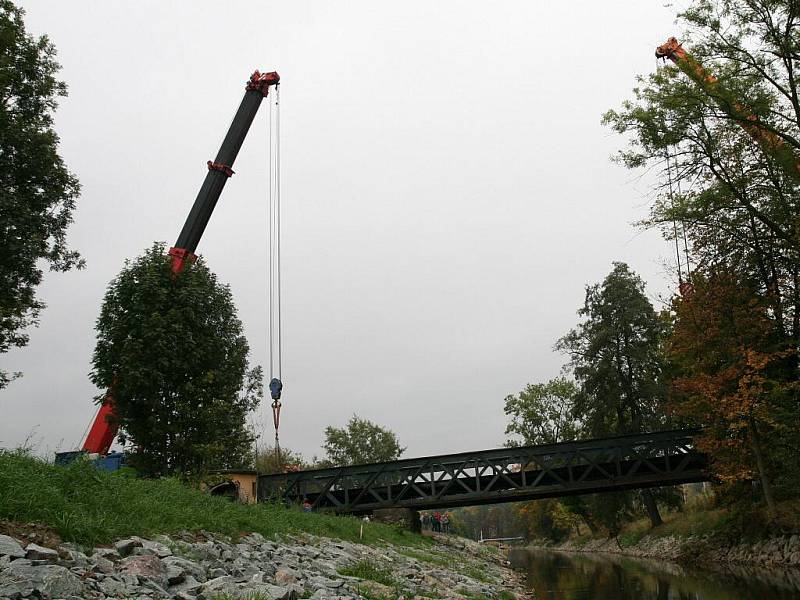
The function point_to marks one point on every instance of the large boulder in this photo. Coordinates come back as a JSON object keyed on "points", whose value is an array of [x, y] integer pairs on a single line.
{"points": [[286, 575], [115, 588], [36, 552], [268, 591], [126, 547], [18, 580], [11, 547], [157, 548], [145, 567], [100, 564], [186, 567], [219, 586]]}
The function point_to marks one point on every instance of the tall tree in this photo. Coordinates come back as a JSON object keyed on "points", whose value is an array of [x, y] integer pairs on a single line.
{"points": [[616, 357], [726, 149], [173, 352], [37, 192], [543, 413], [730, 377], [360, 442], [730, 194]]}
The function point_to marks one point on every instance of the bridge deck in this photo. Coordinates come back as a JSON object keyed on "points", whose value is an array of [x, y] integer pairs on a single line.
{"points": [[500, 475]]}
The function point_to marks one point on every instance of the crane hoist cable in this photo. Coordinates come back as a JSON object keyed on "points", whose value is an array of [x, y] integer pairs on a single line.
{"points": [[685, 237], [275, 330], [672, 50], [685, 287], [674, 222]]}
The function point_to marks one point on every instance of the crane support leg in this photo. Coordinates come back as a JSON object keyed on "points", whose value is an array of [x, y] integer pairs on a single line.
{"points": [[102, 433]]}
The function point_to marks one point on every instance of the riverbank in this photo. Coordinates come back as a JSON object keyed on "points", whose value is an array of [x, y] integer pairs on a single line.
{"points": [[88, 506], [206, 566], [78, 532], [778, 551]]}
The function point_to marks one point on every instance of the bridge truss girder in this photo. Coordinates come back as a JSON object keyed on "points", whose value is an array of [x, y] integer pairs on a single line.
{"points": [[500, 475]]}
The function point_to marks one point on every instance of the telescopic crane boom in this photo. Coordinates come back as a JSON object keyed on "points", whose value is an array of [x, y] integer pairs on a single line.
{"points": [[220, 169], [102, 432], [770, 142]]}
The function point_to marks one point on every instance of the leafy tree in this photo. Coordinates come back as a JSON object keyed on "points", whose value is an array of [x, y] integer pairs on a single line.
{"points": [[616, 357], [734, 196], [37, 192], [548, 518], [727, 152], [268, 461], [360, 442], [731, 377], [542, 413], [496, 520], [173, 352]]}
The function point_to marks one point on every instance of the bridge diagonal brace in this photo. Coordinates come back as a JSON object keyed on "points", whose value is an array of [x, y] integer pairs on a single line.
{"points": [[368, 486], [325, 493], [547, 470], [411, 483], [592, 463], [454, 473], [498, 472]]}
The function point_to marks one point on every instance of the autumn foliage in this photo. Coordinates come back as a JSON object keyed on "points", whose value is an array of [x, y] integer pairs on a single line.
{"points": [[732, 374]]}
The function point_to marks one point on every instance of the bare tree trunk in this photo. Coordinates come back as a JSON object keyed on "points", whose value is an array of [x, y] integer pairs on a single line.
{"points": [[766, 486], [652, 508]]}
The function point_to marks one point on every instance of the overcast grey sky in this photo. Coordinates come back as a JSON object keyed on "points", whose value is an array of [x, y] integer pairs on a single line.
{"points": [[447, 194]]}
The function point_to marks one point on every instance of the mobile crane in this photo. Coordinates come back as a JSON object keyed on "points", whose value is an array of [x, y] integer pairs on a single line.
{"points": [[770, 142], [103, 431]]}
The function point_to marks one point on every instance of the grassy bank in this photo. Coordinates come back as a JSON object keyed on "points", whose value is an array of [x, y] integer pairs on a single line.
{"points": [[701, 517], [88, 506]]}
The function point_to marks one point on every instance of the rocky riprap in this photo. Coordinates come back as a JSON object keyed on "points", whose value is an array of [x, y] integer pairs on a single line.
{"points": [[210, 567], [781, 551]]}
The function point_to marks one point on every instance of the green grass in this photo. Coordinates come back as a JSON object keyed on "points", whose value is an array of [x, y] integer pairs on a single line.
{"points": [[368, 570], [501, 595], [701, 517], [250, 596], [365, 569], [452, 562], [679, 524], [476, 573], [85, 505], [427, 557], [471, 595]]}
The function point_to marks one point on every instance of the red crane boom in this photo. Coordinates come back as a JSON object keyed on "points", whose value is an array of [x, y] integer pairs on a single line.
{"points": [[770, 142], [103, 430]]}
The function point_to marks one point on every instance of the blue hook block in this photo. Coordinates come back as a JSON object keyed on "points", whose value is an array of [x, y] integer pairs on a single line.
{"points": [[275, 388]]}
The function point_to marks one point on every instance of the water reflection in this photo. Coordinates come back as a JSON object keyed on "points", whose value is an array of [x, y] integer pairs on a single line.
{"points": [[576, 576]]}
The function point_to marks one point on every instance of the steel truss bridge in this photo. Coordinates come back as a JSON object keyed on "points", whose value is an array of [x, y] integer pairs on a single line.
{"points": [[502, 475]]}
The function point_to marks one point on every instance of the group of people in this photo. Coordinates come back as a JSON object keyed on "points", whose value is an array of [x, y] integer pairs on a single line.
{"points": [[436, 521]]}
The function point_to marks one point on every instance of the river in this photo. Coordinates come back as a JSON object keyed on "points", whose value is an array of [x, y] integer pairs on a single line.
{"points": [[585, 576]]}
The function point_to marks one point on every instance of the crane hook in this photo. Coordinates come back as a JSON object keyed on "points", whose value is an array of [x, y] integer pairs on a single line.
{"points": [[275, 388]]}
